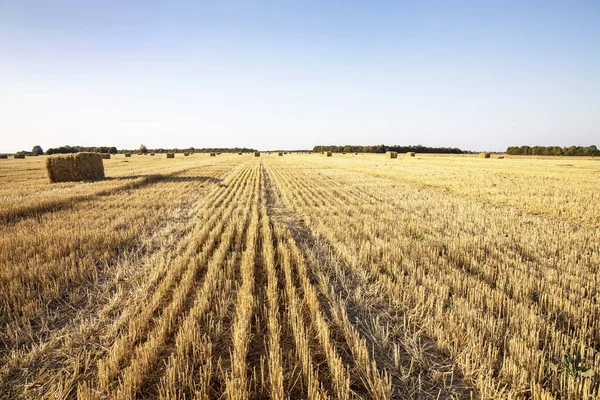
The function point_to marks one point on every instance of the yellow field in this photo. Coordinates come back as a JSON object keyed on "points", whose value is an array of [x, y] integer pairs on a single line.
{"points": [[301, 276]]}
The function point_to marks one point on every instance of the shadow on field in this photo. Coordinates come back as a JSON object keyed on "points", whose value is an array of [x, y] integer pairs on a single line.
{"points": [[152, 178], [133, 182]]}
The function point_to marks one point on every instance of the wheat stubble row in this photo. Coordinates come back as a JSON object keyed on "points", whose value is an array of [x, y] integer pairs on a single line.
{"points": [[294, 277], [501, 291]]}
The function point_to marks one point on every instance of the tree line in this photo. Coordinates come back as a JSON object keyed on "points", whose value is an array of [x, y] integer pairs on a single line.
{"points": [[382, 148], [37, 150], [143, 149], [553, 151]]}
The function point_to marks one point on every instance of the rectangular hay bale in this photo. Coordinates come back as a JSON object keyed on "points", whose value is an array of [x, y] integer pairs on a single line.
{"points": [[75, 167], [19, 156], [256, 154], [105, 156], [170, 155], [410, 154], [391, 154], [484, 155], [3, 156], [327, 153], [127, 154]]}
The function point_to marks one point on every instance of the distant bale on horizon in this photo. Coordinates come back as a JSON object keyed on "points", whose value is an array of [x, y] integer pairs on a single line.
{"points": [[390, 154], [170, 155], [127, 154], [410, 154], [3, 156], [75, 167], [327, 153], [280, 154], [257, 154], [151, 154], [105, 156], [19, 156], [484, 155], [186, 154], [213, 154]]}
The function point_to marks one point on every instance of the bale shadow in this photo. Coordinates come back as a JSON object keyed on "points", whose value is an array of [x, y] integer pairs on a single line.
{"points": [[139, 181]]}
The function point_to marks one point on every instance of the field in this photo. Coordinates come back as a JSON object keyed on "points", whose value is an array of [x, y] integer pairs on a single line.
{"points": [[301, 276]]}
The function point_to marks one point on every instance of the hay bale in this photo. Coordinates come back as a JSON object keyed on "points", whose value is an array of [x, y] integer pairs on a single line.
{"points": [[105, 156], [257, 154], [127, 154], [19, 156], [280, 154], [239, 154], [75, 167], [484, 155], [3, 156], [213, 154], [186, 154], [151, 154], [500, 157], [170, 155], [327, 153], [410, 154], [391, 154]]}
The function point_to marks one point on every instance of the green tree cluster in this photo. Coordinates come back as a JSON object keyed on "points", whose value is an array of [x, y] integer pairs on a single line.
{"points": [[382, 148], [553, 151]]}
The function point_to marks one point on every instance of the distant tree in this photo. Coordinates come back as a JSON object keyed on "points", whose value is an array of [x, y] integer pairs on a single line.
{"points": [[37, 150], [143, 149]]}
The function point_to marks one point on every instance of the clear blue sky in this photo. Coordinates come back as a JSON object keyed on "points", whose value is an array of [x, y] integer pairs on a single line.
{"points": [[293, 74]]}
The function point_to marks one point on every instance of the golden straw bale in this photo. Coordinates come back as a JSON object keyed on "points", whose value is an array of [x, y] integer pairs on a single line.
{"points": [[75, 167], [257, 154], [105, 156], [327, 153], [390, 154], [19, 156], [484, 155], [213, 154], [3, 156], [280, 154], [127, 154], [410, 154], [186, 154], [170, 155]]}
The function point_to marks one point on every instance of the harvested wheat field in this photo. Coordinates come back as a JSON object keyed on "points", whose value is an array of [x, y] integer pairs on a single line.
{"points": [[429, 277]]}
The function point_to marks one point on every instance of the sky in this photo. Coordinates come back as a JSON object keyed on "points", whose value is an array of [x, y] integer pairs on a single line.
{"points": [[478, 75]]}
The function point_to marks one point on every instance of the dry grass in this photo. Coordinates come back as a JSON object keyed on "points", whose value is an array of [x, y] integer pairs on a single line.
{"points": [[299, 277]]}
